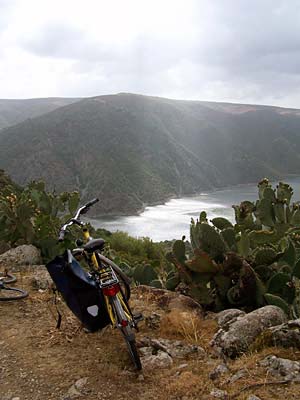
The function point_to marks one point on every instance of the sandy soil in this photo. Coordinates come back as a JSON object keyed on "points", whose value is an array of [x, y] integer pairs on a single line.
{"points": [[37, 361]]}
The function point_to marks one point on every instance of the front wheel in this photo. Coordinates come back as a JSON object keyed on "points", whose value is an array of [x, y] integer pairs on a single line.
{"points": [[8, 293], [6, 277], [125, 325]]}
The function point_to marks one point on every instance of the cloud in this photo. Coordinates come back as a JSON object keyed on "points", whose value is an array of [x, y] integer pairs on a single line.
{"points": [[225, 50]]}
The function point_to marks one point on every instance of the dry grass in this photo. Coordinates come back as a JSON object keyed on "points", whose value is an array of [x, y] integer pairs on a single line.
{"points": [[187, 384], [189, 327], [57, 358]]}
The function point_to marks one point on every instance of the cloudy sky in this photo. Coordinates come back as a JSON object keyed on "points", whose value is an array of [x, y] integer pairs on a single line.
{"points": [[222, 50]]}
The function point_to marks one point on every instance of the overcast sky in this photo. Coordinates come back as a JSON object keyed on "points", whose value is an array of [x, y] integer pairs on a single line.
{"points": [[222, 50]]}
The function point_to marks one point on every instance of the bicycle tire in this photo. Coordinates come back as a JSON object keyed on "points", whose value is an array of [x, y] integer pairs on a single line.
{"points": [[12, 294], [6, 277], [127, 332]]}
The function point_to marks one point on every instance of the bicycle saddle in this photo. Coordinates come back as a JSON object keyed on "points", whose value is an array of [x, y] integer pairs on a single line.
{"points": [[94, 244]]}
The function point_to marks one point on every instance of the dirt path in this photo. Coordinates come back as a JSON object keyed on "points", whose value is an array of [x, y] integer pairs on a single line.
{"points": [[38, 361]]}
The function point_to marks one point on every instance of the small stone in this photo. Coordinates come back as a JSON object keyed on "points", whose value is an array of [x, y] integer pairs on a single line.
{"points": [[182, 366], [282, 367], [75, 390], [218, 371], [285, 335], [141, 377], [161, 360], [238, 375], [72, 393], [253, 397], [219, 394], [80, 383], [153, 321], [176, 348]]}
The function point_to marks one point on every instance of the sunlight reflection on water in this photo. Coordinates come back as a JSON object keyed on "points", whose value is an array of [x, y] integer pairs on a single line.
{"points": [[172, 219]]}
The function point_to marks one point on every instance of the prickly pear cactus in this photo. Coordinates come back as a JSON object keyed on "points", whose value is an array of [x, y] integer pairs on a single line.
{"points": [[249, 263], [144, 274]]}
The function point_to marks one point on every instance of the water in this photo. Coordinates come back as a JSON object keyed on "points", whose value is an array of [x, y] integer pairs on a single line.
{"points": [[172, 219]]}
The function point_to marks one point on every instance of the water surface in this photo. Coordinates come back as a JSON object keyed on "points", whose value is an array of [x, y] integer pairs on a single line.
{"points": [[172, 219]]}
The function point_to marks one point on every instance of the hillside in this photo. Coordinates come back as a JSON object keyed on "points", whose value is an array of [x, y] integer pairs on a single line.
{"points": [[131, 150], [13, 112], [38, 361]]}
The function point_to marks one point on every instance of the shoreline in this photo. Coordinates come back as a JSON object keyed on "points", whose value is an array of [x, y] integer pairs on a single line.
{"points": [[191, 195]]}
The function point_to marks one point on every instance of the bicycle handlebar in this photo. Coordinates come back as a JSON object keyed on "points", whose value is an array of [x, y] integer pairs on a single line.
{"points": [[92, 202], [75, 220]]}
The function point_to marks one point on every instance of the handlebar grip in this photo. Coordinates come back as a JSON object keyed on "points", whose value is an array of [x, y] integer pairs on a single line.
{"points": [[92, 202], [61, 236]]}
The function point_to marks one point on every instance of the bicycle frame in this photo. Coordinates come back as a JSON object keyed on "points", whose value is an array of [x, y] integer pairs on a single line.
{"points": [[108, 283], [106, 275]]}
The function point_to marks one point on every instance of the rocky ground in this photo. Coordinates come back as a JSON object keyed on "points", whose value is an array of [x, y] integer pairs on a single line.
{"points": [[185, 354]]}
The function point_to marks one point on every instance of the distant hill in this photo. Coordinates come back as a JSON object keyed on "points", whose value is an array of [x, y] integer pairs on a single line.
{"points": [[131, 150], [13, 112]]}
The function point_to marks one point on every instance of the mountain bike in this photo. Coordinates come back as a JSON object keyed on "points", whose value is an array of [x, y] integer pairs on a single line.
{"points": [[8, 293], [100, 296]]}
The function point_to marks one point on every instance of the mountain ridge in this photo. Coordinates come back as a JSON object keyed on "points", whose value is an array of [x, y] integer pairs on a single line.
{"points": [[131, 150], [14, 111]]}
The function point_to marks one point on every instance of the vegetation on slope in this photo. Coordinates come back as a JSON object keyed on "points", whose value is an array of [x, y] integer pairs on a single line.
{"points": [[250, 264], [31, 215], [13, 112], [133, 150]]}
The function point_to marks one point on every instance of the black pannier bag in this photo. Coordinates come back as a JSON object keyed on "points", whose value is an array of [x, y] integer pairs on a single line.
{"points": [[79, 291]]}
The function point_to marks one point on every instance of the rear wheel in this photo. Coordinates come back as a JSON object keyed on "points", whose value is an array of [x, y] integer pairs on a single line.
{"points": [[125, 326]]}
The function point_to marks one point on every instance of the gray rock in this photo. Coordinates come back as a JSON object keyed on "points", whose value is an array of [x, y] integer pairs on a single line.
{"points": [[80, 383], [219, 394], [220, 370], [226, 317], [76, 390], [237, 336], [176, 348], [41, 279], [21, 255], [253, 397], [72, 393], [238, 375], [285, 335], [182, 366], [282, 367], [160, 360], [152, 321], [146, 351]]}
